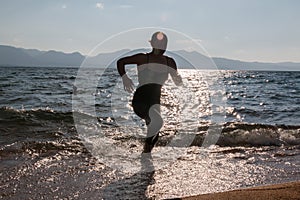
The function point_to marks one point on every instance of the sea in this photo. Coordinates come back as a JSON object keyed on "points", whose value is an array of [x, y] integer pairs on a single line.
{"points": [[69, 133]]}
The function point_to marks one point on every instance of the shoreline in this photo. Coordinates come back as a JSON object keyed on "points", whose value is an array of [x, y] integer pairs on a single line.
{"points": [[288, 191]]}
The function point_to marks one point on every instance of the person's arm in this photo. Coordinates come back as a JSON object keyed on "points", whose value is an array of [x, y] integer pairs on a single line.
{"points": [[127, 82], [174, 73]]}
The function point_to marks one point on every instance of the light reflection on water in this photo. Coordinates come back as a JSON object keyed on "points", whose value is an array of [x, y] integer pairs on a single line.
{"points": [[223, 169], [190, 110], [191, 170], [184, 109], [248, 155]]}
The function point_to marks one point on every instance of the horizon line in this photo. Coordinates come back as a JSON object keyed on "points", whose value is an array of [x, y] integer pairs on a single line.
{"points": [[212, 57]]}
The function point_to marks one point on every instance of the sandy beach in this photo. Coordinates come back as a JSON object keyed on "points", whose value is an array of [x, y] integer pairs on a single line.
{"points": [[286, 191]]}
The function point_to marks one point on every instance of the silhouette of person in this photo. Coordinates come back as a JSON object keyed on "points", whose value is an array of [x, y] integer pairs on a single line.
{"points": [[153, 69]]}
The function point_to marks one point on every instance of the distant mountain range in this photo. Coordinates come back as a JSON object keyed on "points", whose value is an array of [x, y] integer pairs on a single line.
{"points": [[14, 57]]}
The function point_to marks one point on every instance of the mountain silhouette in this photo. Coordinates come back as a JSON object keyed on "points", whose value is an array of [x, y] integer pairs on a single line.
{"points": [[11, 56], [15, 57], [56, 58]]}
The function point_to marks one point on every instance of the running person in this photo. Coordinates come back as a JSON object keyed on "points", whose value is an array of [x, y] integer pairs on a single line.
{"points": [[153, 70]]}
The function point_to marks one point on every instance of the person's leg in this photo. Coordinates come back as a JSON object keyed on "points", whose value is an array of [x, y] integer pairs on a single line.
{"points": [[153, 127]]}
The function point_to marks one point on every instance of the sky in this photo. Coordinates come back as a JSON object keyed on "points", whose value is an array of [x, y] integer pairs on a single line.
{"points": [[248, 30]]}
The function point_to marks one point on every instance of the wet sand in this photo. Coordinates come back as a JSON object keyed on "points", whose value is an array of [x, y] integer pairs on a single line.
{"points": [[283, 191], [75, 174]]}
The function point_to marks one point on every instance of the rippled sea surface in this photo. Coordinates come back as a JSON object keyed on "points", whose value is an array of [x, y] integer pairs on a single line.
{"points": [[66, 133]]}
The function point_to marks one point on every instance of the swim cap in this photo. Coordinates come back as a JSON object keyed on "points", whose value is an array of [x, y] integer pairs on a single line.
{"points": [[159, 40]]}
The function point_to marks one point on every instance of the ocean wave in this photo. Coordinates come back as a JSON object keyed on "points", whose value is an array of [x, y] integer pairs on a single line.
{"points": [[42, 113], [244, 134], [43, 125]]}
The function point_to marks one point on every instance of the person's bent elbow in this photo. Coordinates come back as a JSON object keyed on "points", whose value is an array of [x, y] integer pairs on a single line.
{"points": [[121, 67]]}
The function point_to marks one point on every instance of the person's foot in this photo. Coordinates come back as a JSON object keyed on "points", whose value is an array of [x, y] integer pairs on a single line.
{"points": [[149, 144], [147, 147]]}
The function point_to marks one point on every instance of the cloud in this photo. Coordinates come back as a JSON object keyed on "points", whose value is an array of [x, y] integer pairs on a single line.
{"points": [[16, 40], [227, 38], [100, 6], [126, 6], [190, 45], [198, 40], [189, 41], [164, 17], [64, 6]]}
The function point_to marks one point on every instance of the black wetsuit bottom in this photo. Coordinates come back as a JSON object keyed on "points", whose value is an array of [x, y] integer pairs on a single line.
{"points": [[144, 97]]}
